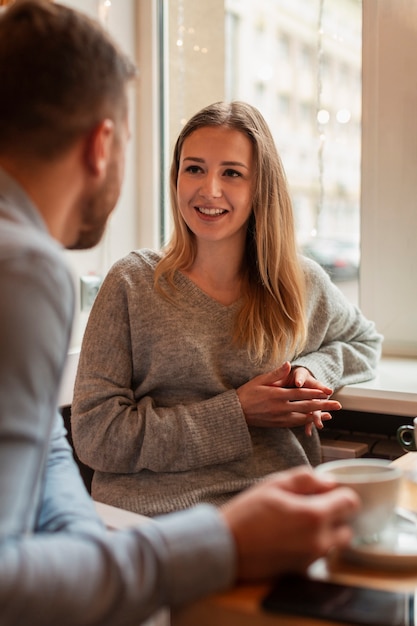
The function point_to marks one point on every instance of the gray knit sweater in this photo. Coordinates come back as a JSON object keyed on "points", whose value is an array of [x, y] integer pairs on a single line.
{"points": [[155, 410]]}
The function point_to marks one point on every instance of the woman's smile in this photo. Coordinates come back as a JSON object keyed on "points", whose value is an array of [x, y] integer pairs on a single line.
{"points": [[207, 211]]}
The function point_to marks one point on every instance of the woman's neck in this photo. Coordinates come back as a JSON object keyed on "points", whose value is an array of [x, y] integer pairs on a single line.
{"points": [[218, 275]]}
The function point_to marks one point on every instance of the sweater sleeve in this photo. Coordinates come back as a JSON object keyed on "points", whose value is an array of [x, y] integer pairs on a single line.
{"points": [[343, 347], [114, 431]]}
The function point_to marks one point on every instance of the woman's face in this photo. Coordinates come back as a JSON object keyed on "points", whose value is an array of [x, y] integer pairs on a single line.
{"points": [[215, 183]]}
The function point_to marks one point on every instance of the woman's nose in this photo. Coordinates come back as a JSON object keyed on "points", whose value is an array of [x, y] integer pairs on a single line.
{"points": [[211, 187]]}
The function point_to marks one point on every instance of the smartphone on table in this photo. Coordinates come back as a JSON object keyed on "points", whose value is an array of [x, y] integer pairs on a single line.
{"points": [[303, 596]]}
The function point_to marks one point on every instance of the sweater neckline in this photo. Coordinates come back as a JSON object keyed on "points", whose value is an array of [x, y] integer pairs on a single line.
{"points": [[185, 283]]}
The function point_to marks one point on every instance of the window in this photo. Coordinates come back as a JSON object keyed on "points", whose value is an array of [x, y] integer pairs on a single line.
{"points": [[377, 139], [283, 58], [382, 113], [283, 48], [122, 232]]}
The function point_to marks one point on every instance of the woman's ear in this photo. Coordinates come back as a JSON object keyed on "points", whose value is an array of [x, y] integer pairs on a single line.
{"points": [[98, 147]]}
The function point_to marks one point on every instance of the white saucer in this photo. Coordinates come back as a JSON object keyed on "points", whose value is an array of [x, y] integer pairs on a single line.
{"points": [[396, 548]]}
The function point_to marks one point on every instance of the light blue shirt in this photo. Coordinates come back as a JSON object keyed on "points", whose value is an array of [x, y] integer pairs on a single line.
{"points": [[57, 562]]}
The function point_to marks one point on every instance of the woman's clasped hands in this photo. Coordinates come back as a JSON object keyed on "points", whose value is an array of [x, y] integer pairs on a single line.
{"points": [[286, 397]]}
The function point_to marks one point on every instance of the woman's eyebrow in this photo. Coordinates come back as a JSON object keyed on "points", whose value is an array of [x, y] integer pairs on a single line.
{"points": [[191, 158], [229, 163]]}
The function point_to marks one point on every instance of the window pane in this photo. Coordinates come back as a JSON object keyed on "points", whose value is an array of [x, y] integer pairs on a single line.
{"points": [[299, 62]]}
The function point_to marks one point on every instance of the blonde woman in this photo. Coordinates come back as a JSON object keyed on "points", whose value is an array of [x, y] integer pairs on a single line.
{"points": [[210, 364]]}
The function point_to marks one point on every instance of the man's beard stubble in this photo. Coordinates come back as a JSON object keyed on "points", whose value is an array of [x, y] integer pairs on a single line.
{"points": [[95, 211]]}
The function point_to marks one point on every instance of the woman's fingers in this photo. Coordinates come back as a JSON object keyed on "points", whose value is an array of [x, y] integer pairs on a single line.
{"points": [[268, 404], [316, 419]]}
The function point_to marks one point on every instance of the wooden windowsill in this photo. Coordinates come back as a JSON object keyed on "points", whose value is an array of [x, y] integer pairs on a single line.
{"points": [[393, 391]]}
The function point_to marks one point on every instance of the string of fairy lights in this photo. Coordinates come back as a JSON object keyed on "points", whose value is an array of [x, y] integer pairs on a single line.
{"points": [[322, 116], [104, 8], [180, 91]]}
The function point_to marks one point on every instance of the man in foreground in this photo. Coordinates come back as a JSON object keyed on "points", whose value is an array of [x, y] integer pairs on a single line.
{"points": [[63, 132]]}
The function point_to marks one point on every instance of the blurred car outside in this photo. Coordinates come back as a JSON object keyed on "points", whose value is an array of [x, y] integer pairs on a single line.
{"points": [[339, 257]]}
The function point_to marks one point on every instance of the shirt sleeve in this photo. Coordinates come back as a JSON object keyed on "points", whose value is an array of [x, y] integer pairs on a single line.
{"points": [[35, 322], [119, 578], [65, 503]]}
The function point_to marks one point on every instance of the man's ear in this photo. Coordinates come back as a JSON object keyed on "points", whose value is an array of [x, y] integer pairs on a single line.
{"points": [[98, 147]]}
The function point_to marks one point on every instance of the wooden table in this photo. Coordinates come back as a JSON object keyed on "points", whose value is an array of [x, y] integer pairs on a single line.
{"points": [[241, 605]]}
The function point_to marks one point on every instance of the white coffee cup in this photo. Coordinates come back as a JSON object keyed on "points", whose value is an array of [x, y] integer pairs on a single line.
{"points": [[377, 483]]}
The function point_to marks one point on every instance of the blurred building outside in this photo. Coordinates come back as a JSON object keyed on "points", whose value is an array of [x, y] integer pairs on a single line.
{"points": [[299, 62]]}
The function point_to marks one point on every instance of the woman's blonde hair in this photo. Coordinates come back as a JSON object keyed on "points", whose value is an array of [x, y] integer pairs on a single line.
{"points": [[271, 320]]}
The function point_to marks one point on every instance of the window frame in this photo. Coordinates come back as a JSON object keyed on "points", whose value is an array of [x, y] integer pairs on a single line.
{"points": [[388, 285]]}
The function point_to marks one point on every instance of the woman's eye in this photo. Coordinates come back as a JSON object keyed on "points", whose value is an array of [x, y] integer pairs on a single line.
{"points": [[232, 173], [193, 169]]}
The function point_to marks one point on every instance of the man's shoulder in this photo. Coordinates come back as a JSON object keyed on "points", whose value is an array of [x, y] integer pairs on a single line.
{"points": [[30, 253], [20, 241]]}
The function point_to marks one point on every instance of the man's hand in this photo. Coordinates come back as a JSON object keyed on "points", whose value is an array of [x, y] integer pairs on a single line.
{"points": [[287, 521]]}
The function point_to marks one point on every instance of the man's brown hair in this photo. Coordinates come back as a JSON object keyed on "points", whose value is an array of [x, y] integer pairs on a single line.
{"points": [[60, 74]]}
